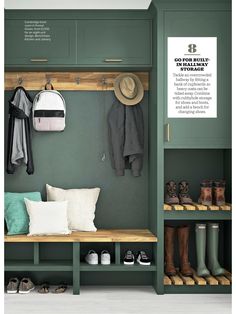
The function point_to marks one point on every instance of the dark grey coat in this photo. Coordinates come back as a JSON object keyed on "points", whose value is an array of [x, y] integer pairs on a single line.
{"points": [[126, 138]]}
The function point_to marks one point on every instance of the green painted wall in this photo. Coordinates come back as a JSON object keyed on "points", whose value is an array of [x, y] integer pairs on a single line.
{"points": [[72, 159]]}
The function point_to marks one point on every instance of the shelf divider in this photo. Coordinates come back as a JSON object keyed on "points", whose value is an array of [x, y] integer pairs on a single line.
{"points": [[76, 268], [117, 253], [36, 253]]}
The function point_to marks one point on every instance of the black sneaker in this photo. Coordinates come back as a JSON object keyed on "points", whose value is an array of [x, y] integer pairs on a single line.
{"points": [[129, 258], [143, 259]]}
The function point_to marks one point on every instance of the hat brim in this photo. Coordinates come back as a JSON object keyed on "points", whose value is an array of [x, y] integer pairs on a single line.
{"points": [[124, 100]]}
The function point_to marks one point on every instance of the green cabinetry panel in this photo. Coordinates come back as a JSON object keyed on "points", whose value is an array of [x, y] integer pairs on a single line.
{"points": [[114, 42], [203, 132], [40, 42]]}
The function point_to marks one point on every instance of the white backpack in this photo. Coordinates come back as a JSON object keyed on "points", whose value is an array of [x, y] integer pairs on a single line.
{"points": [[49, 111]]}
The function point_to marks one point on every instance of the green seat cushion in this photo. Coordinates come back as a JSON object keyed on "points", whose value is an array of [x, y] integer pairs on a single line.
{"points": [[16, 215]]}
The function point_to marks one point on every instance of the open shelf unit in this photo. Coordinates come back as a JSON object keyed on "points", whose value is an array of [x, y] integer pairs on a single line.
{"points": [[76, 245], [195, 165]]}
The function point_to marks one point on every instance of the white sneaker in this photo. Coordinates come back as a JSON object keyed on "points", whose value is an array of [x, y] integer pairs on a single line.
{"points": [[105, 258], [91, 258]]}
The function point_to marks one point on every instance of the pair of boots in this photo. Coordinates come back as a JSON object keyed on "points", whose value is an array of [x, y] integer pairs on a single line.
{"points": [[212, 192], [183, 239], [212, 249], [171, 194]]}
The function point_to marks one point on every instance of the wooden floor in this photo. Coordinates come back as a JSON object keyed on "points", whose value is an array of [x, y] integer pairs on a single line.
{"points": [[117, 300]]}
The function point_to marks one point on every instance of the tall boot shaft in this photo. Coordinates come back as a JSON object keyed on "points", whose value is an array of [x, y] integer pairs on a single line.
{"points": [[169, 250], [212, 249], [183, 239], [200, 232]]}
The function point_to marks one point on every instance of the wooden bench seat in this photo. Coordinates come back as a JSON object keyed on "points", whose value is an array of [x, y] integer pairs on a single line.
{"points": [[113, 235]]}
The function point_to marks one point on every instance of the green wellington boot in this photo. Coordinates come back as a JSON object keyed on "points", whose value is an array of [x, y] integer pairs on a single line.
{"points": [[212, 249], [200, 230]]}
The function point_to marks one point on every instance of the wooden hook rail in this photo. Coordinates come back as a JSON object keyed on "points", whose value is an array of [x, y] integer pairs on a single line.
{"points": [[81, 81]]}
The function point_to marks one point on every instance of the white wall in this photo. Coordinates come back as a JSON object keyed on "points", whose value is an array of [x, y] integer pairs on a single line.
{"points": [[77, 4]]}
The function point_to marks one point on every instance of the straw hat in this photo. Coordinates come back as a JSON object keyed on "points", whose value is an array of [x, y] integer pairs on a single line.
{"points": [[128, 89]]}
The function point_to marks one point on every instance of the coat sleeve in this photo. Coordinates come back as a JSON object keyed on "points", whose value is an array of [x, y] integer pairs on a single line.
{"points": [[116, 120], [134, 138], [10, 166]]}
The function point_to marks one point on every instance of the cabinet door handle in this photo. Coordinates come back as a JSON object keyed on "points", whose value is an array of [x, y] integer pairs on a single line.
{"points": [[39, 60], [167, 132], [113, 60]]}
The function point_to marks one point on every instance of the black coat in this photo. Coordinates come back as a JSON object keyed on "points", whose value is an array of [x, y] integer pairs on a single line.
{"points": [[126, 138], [17, 113]]}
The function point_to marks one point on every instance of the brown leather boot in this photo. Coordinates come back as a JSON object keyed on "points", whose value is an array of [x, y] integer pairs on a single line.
{"points": [[219, 192], [171, 195], [169, 251], [206, 193], [184, 196], [183, 236]]}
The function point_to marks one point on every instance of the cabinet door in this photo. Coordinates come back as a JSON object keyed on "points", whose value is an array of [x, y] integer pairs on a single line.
{"points": [[120, 42], [40, 42], [203, 132]]}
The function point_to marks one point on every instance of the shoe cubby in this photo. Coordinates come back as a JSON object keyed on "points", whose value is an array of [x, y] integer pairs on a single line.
{"points": [[39, 277], [98, 247], [135, 248], [55, 251], [195, 283], [39, 257], [19, 251], [196, 165]]}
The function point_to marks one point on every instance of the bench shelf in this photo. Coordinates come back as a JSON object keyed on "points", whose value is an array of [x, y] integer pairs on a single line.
{"points": [[116, 267], [28, 265], [197, 215], [74, 264]]}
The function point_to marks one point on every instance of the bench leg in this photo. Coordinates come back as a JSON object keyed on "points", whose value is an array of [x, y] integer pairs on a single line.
{"points": [[117, 253], [76, 268]]}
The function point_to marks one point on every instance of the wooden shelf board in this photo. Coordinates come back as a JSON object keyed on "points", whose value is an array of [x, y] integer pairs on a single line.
{"points": [[196, 207], [80, 81], [113, 235], [195, 280]]}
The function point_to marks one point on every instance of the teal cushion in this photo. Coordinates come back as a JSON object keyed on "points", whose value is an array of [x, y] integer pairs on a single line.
{"points": [[16, 215]]}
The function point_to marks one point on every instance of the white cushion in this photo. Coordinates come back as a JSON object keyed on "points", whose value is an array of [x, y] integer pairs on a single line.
{"points": [[81, 206], [47, 218]]}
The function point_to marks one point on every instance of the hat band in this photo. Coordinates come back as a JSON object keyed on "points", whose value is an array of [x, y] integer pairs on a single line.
{"points": [[128, 93]]}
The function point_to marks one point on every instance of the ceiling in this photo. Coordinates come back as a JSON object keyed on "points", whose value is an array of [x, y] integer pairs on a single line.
{"points": [[77, 4]]}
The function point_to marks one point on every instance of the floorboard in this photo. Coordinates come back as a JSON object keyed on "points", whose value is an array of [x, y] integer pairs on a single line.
{"points": [[116, 300]]}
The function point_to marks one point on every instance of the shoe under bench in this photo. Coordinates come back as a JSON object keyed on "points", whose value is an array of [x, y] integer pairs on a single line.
{"points": [[75, 265]]}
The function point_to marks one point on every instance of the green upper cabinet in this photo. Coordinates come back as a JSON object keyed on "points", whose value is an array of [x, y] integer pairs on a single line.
{"points": [[202, 132], [114, 42], [40, 42]]}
